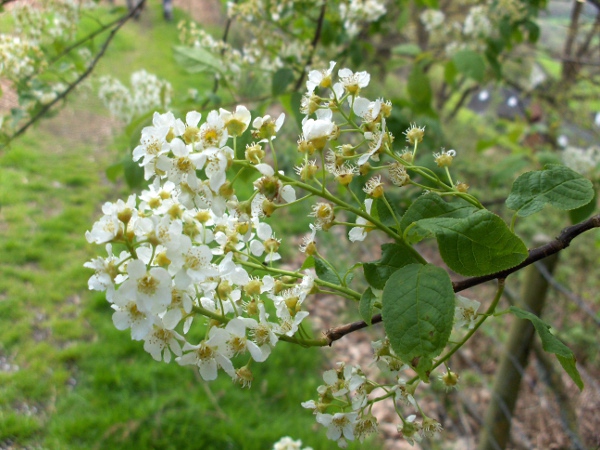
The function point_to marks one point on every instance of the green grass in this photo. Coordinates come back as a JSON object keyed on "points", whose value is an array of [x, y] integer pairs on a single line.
{"points": [[68, 378]]}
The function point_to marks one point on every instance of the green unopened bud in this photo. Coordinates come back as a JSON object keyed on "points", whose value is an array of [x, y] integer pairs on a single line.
{"points": [[224, 289], [203, 215], [125, 215], [236, 127], [252, 308], [253, 287], [190, 135], [226, 190], [268, 207]]}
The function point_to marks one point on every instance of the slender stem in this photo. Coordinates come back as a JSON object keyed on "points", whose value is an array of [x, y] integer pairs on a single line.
{"points": [[488, 313], [350, 293]]}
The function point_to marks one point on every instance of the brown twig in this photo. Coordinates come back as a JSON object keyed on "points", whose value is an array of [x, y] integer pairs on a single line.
{"points": [[82, 77], [224, 40], [537, 254], [314, 43]]}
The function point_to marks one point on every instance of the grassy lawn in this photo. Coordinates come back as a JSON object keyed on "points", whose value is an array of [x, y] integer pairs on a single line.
{"points": [[68, 378]]}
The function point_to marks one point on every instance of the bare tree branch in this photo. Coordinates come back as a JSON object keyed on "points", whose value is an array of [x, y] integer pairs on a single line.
{"points": [[537, 254], [82, 77], [314, 43]]}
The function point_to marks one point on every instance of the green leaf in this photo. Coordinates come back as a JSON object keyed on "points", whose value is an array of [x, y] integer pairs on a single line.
{"points": [[557, 185], [113, 171], [450, 72], [419, 89], [479, 244], [324, 272], [406, 49], [281, 80], [308, 263], [197, 60], [552, 344], [585, 211], [418, 313], [429, 206], [470, 63], [393, 257], [291, 103], [383, 213], [134, 174], [365, 307]]}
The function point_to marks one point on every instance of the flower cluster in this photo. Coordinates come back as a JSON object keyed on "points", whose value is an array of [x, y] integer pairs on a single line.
{"points": [[355, 13], [188, 245], [471, 27], [32, 55], [147, 92], [191, 252], [346, 388]]}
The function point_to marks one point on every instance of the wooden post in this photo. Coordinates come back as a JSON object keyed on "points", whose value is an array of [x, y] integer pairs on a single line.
{"points": [[495, 433]]}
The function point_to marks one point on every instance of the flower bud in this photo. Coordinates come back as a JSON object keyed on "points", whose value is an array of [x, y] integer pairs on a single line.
{"points": [[191, 135], [125, 215], [226, 190], [224, 289], [253, 287], [203, 216], [252, 308]]}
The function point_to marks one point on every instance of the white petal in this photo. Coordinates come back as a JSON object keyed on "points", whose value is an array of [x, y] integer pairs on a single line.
{"points": [[265, 169]]}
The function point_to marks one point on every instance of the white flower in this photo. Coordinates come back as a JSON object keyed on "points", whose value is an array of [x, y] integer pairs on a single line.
{"points": [[263, 333], [182, 167], [111, 226], [129, 316], [239, 343], [366, 109], [360, 233], [107, 273], [191, 263], [465, 313], [432, 19], [209, 355], [287, 443], [343, 380], [339, 426], [353, 82], [319, 78], [161, 342], [270, 244], [151, 289], [265, 128], [237, 122], [309, 239], [153, 143], [213, 132]]}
